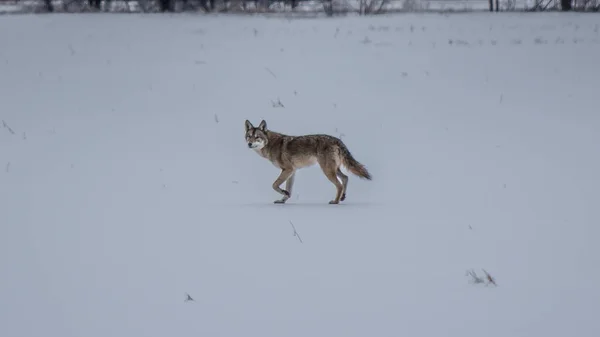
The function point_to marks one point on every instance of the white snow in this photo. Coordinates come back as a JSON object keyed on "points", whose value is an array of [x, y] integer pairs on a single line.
{"points": [[126, 181]]}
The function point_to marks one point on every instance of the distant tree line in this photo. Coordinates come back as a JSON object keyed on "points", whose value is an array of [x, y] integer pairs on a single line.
{"points": [[565, 5], [170, 5], [208, 5], [363, 6]]}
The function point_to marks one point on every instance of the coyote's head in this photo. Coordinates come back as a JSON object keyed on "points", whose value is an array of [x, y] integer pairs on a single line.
{"points": [[256, 137]]}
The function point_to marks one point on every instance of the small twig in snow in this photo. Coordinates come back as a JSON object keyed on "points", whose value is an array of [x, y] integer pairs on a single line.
{"points": [[489, 278], [8, 127], [24, 136], [7, 167], [271, 72], [216, 119], [474, 278], [501, 97], [277, 104], [295, 232], [188, 298], [72, 50]]}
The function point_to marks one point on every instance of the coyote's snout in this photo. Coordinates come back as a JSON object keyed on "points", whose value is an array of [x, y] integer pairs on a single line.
{"points": [[290, 153]]}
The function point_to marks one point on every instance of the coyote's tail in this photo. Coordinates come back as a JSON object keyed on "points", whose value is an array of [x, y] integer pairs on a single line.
{"points": [[352, 164]]}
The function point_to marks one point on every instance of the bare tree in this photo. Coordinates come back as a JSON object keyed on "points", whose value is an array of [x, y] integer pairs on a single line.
{"points": [[49, 6], [95, 4]]}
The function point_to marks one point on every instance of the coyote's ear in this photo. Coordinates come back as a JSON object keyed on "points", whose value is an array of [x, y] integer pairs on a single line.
{"points": [[248, 125], [262, 125]]}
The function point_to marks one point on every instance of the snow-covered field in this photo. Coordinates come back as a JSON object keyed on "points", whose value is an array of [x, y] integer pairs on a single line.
{"points": [[126, 181]]}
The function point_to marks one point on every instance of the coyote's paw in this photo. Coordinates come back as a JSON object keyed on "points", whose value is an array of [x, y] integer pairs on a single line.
{"points": [[334, 202], [284, 199], [343, 197]]}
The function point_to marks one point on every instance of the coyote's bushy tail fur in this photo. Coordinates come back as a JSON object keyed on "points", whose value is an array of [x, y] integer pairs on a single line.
{"points": [[353, 165]]}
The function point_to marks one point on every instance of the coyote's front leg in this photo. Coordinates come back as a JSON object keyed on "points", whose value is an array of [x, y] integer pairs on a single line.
{"points": [[283, 176], [289, 183]]}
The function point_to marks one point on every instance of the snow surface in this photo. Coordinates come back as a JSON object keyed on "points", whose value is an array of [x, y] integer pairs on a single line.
{"points": [[126, 181]]}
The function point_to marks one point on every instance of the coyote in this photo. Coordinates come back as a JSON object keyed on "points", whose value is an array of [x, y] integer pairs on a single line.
{"points": [[290, 153]]}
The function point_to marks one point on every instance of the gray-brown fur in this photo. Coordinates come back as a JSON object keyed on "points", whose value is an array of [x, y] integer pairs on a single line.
{"points": [[290, 153]]}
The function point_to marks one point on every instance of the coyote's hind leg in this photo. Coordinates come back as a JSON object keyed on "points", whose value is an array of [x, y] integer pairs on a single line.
{"points": [[330, 170], [344, 179]]}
